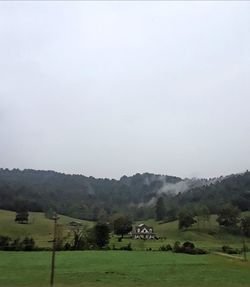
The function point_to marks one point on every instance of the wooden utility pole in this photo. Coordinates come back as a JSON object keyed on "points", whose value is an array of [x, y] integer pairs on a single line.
{"points": [[55, 218], [244, 250]]}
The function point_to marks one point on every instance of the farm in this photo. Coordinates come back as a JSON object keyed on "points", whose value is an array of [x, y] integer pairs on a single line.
{"points": [[124, 143], [41, 229], [144, 266]]}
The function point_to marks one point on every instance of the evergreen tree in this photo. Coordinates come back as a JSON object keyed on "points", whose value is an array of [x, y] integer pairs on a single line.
{"points": [[160, 209], [101, 234]]}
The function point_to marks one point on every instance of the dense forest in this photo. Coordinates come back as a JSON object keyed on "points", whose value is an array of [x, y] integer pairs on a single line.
{"points": [[91, 198]]}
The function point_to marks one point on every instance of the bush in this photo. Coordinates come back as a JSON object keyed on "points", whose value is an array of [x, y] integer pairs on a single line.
{"points": [[8, 244], [28, 244], [188, 248], [5, 241], [230, 250], [127, 247], [67, 246], [165, 248], [195, 251], [188, 244], [177, 247]]}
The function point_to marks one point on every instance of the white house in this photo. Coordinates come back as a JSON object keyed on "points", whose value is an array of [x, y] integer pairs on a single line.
{"points": [[142, 231]]}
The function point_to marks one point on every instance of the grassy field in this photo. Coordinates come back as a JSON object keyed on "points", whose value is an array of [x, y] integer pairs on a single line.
{"points": [[39, 227], [121, 268], [210, 236]]}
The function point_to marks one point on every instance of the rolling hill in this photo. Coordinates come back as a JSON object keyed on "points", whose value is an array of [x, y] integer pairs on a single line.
{"points": [[39, 227], [91, 198]]}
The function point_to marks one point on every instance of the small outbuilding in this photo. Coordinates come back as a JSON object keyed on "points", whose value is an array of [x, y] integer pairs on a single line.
{"points": [[75, 223]]}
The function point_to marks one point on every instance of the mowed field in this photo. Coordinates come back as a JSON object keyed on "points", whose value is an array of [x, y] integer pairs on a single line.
{"points": [[122, 268]]}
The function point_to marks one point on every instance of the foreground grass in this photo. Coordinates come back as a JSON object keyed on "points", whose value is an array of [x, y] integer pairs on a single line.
{"points": [[120, 268]]}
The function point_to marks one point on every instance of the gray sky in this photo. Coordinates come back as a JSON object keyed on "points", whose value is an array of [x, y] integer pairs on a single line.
{"points": [[113, 88]]}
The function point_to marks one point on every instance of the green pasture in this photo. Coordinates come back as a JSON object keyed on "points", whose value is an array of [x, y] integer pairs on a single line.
{"points": [[39, 227], [208, 235], [122, 268]]}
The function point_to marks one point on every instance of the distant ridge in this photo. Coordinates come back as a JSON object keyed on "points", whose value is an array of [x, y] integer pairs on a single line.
{"points": [[89, 198]]}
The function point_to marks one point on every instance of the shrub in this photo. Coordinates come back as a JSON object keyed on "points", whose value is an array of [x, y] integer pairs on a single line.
{"points": [[177, 247], [27, 244], [187, 247], [188, 244], [195, 251], [127, 247], [5, 241], [229, 250], [165, 248]]}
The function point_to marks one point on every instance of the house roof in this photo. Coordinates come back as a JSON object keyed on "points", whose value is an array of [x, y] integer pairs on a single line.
{"points": [[142, 226]]}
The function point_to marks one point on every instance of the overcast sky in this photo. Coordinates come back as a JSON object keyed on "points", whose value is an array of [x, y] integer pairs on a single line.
{"points": [[113, 88]]}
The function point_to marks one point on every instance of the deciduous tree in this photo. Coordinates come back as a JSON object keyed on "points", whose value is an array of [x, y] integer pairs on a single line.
{"points": [[122, 225], [22, 217], [245, 225], [186, 219], [228, 216]]}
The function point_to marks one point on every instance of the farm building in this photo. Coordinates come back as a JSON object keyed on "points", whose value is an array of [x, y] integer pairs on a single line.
{"points": [[75, 223], [142, 231]]}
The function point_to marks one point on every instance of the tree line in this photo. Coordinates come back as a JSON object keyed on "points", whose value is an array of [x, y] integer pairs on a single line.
{"points": [[228, 216], [80, 237], [93, 199]]}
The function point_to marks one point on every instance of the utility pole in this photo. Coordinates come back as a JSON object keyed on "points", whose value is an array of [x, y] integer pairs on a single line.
{"points": [[55, 218], [244, 250]]}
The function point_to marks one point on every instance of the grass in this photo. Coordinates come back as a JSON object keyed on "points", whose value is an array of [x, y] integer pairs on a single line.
{"points": [[121, 268], [210, 236], [39, 227]]}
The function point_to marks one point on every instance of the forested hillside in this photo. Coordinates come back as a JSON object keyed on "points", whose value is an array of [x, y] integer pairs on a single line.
{"points": [[91, 198]]}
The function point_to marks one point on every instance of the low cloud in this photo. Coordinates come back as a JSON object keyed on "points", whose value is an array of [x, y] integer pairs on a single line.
{"points": [[178, 187]]}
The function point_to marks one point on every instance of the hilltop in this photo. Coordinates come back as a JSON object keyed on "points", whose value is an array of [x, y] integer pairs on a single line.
{"points": [[91, 198]]}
